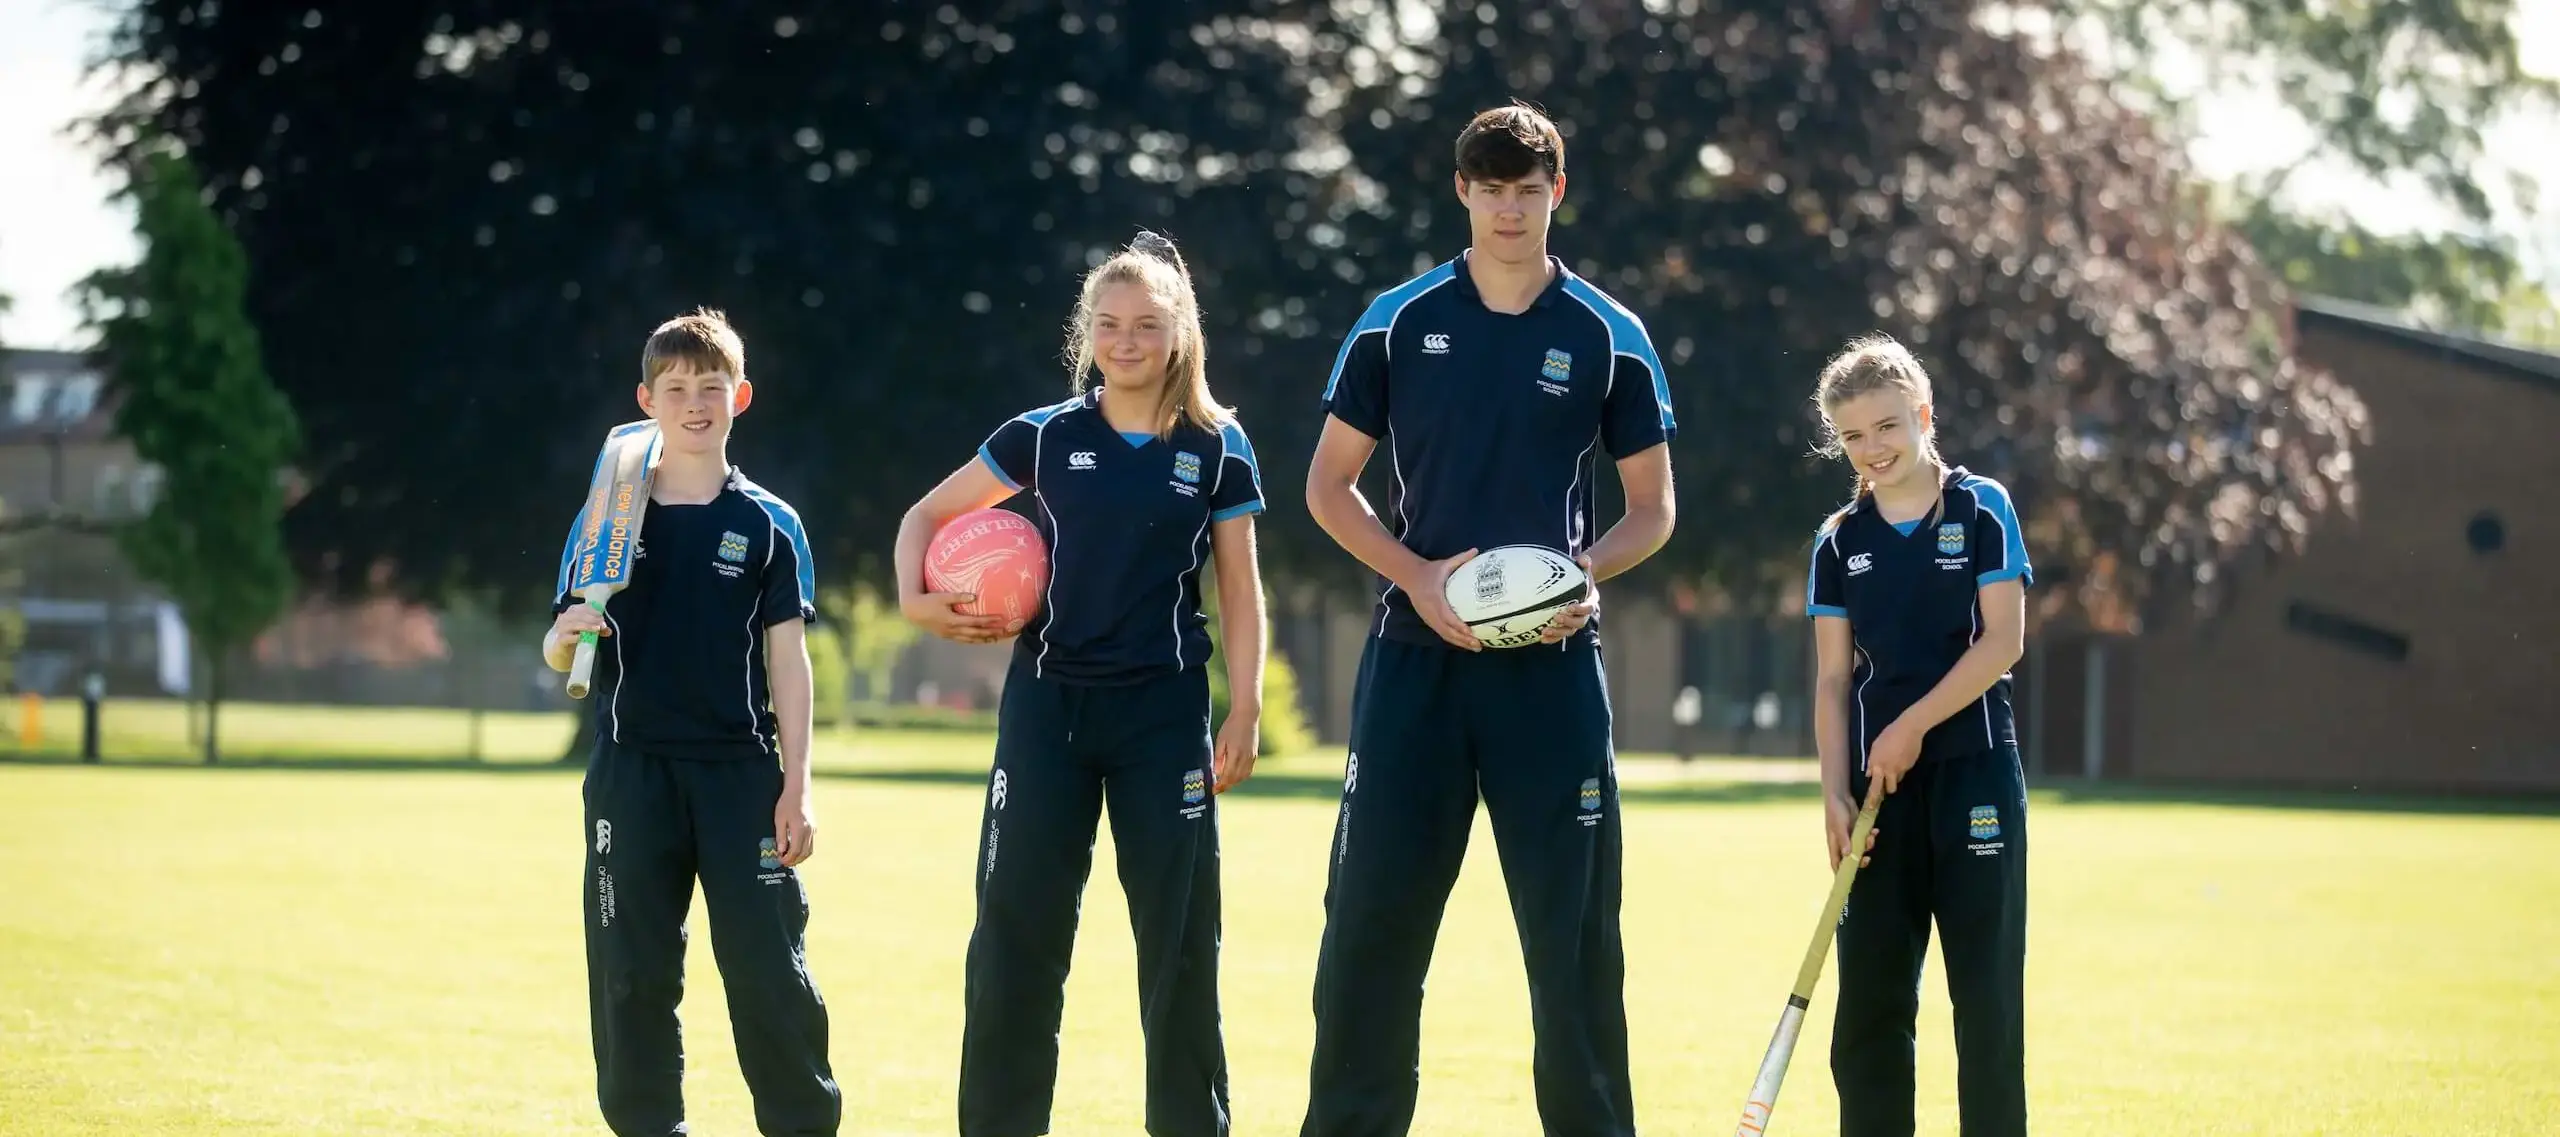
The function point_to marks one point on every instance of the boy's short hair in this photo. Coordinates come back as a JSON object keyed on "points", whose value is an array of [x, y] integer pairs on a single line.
{"points": [[700, 340], [1509, 143]]}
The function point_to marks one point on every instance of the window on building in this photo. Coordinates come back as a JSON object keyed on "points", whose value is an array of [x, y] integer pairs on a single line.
{"points": [[145, 488], [79, 397], [111, 490], [27, 398]]}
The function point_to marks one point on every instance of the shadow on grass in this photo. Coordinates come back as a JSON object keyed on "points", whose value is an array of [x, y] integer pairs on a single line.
{"points": [[1313, 785], [2340, 800], [1324, 784], [287, 762], [1328, 787]]}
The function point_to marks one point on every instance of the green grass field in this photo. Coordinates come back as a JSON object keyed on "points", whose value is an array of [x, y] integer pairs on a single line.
{"points": [[395, 950]]}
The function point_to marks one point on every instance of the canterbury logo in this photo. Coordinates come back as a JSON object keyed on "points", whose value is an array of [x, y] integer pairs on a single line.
{"points": [[1435, 344], [1080, 460]]}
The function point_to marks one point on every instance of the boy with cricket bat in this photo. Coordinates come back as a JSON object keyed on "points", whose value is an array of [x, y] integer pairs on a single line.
{"points": [[701, 691]]}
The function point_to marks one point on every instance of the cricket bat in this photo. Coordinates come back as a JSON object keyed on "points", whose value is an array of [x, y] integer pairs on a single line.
{"points": [[609, 530], [1773, 1065]]}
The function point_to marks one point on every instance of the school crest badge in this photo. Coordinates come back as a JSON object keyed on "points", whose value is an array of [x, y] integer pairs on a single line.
{"points": [[1195, 794], [1951, 539], [1589, 800], [1186, 466], [1983, 823], [1558, 367], [733, 547]]}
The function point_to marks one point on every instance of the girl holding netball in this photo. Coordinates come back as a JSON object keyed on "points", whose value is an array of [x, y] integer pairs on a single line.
{"points": [[1918, 601], [1140, 482]]}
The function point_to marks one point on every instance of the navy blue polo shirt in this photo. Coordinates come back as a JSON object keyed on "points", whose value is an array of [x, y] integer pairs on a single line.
{"points": [[1127, 520], [1494, 421], [1913, 599], [683, 674]]}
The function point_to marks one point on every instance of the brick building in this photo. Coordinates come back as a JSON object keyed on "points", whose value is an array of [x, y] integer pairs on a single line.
{"points": [[2409, 647], [83, 607]]}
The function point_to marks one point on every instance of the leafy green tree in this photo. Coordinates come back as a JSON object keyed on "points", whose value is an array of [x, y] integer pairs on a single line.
{"points": [[2469, 284], [854, 646], [179, 351], [2401, 92], [2391, 88], [892, 200], [1760, 180], [2531, 316], [1285, 729], [2461, 282]]}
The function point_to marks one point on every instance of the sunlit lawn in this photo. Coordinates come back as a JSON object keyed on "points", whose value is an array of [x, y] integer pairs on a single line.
{"points": [[394, 951]]}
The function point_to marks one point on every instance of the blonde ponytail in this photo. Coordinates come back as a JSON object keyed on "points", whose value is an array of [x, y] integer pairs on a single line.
{"points": [[1152, 262]]}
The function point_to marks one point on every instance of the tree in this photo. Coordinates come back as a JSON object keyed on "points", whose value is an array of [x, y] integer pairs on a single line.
{"points": [[892, 200], [2398, 87], [2463, 282], [2531, 316], [2394, 92], [183, 359], [1760, 180], [1284, 727]]}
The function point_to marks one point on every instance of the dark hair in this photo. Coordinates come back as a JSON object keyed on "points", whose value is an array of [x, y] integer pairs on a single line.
{"points": [[701, 340], [1509, 143]]}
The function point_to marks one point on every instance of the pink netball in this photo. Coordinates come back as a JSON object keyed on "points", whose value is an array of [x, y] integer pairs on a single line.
{"points": [[996, 554]]}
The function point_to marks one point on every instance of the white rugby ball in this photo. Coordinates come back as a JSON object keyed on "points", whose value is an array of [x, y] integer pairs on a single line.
{"points": [[1508, 593]]}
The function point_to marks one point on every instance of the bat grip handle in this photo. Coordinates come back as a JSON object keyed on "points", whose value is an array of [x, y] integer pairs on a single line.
{"points": [[582, 666]]}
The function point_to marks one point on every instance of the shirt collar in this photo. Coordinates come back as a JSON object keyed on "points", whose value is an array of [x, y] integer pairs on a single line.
{"points": [[1947, 484], [1466, 283]]}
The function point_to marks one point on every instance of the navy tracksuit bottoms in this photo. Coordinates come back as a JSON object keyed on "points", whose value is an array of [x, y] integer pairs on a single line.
{"points": [[1062, 752], [1951, 844], [655, 824], [1433, 727]]}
